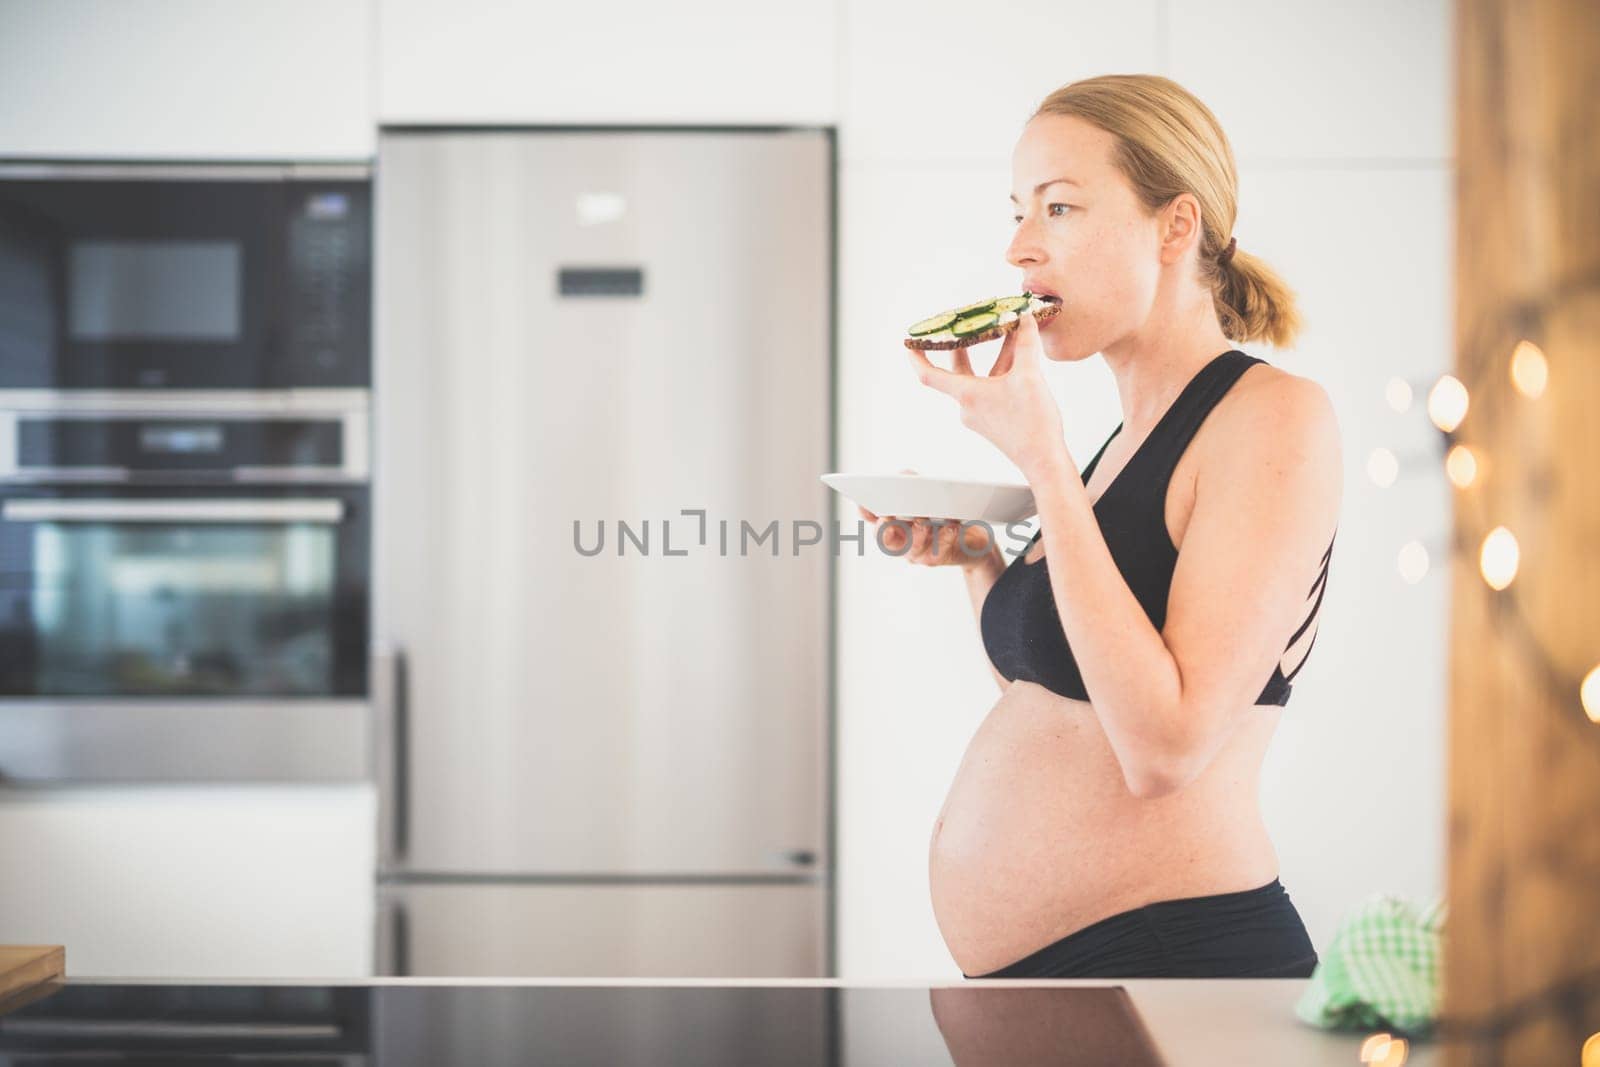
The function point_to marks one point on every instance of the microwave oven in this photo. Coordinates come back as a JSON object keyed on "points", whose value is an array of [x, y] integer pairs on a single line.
{"points": [[163, 276]]}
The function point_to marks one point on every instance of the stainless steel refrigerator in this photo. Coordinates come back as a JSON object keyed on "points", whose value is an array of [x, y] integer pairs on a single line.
{"points": [[603, 764]]}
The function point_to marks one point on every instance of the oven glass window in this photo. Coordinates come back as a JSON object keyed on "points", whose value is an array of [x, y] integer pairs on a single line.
{"points": [[139, 608], [153, 290]]}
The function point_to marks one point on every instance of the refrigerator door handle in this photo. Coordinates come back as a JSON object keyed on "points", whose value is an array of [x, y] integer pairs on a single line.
{"points": [[391, 712], [391, 942]]}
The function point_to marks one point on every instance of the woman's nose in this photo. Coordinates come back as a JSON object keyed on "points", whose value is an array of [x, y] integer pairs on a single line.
{"points": [[1024, 248], [1023, 251]]}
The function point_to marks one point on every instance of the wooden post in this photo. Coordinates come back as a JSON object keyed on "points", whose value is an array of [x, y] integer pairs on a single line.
{"points": [[1522, 933]]}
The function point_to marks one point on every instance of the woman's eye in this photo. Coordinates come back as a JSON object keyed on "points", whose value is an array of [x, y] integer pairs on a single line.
{"points": [[1018, 218]]}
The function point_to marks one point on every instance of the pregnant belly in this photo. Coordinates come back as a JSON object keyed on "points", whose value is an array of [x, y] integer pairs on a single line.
{"points": [[1039, 835]]}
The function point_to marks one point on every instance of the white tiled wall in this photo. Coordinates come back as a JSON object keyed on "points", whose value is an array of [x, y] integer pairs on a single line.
{"points": [[1339, 115], [1306, 80]]}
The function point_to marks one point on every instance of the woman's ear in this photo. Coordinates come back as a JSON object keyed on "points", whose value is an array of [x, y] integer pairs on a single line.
{"points": [[1180, 227]]}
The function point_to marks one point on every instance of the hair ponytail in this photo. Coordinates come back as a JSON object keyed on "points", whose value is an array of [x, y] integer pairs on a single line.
{"points": [[1253, 302]]}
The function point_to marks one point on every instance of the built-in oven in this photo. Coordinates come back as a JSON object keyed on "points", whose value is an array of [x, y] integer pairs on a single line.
{"points": [[228, 276], [184, 589]]}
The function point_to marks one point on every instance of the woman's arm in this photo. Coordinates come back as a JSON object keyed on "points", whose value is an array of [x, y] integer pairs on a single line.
{"points": [[1264, 509]]}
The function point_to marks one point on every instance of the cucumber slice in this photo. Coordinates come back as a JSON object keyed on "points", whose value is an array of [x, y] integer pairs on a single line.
{"points": [[975, 318], [971, 324], [933, 325]]}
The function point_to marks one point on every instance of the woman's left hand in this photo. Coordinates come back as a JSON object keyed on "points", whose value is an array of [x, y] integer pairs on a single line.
{"points": [[1012, 406]]}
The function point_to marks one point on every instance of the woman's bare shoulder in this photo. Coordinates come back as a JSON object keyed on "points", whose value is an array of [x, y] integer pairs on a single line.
{"points": [[1285, 415], [1270, 394]]}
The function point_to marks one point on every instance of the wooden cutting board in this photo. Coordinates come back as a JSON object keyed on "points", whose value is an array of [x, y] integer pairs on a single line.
{"points": [[25, 966]]}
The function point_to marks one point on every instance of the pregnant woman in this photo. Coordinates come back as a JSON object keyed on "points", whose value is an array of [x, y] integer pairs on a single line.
{"points": [[1104, 821]]}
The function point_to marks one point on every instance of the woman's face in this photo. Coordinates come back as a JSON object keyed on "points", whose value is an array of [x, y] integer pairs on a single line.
{"points": [[1091, 243]]}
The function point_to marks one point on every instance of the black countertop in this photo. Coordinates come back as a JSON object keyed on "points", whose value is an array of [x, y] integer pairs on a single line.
{"points": [[401, 1022]]}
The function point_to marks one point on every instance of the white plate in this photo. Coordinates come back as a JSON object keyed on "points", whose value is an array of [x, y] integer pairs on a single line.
{"points": [[917, 495]]}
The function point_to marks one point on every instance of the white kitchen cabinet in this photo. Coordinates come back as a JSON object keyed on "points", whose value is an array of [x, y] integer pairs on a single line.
{"points": [[186, 79], [705, 61], [192, 881]]}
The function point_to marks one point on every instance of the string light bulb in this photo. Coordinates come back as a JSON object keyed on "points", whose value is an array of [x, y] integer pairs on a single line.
{"points": [[1382, 467], [1447, 403], [1530, 371], [1589, 696], [1412, 562], [1498, 558], [1398, 394], [1461, 465]]}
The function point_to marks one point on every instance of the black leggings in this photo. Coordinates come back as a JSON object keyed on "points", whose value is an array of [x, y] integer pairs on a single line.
{"points": [[1254, 933]]}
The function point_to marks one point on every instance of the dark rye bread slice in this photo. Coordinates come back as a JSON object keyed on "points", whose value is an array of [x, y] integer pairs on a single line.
{"points": [[1041, 314]]}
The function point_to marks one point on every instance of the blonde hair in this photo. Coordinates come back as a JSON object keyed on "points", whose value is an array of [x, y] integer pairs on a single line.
{"points": [[1168, 142]]}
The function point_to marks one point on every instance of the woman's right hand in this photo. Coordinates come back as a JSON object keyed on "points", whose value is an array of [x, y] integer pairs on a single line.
{"points": [[925, 549]]}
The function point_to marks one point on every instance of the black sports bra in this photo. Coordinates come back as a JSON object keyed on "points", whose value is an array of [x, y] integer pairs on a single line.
{"points": [[1020, 624]]}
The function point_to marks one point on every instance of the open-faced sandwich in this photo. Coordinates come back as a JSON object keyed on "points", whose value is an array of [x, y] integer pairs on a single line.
{"points": [[983, 321]]}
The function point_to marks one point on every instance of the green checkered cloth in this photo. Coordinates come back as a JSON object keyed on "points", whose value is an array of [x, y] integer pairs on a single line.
{"points": [[1381, 971]]}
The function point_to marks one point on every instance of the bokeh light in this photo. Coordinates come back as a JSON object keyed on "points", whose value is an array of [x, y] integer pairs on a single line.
{"points": [[1398, 394], [1412, 562], [1589, 695], [1382, 1050], [1447, 403], [1461, 466], [1499, 557], [1382, 467], [1530, 371]]}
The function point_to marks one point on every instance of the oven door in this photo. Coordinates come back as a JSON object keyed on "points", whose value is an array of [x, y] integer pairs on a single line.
{"points": [[183, 632], [194, 277]]}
